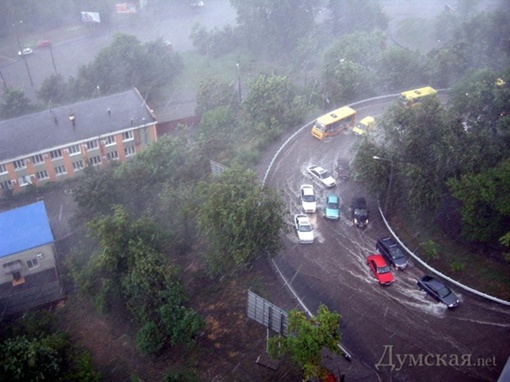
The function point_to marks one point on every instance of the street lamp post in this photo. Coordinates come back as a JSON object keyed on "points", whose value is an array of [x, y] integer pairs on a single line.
{"points": [[388, 191], [21, 51]]}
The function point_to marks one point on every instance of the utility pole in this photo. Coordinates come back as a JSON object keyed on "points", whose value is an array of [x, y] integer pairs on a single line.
{"points": [[21, 51]]}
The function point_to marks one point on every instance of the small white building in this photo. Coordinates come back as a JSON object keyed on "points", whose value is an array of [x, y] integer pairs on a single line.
{"points": [[28, 276]]}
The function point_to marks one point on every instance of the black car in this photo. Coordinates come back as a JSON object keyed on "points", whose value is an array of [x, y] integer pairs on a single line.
{"points": [[391, 252], [359, 212], [343, 170], [438, 290]]}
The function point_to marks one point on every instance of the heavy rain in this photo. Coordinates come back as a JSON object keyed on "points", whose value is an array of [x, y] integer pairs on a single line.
{"points": [[152, 154]]}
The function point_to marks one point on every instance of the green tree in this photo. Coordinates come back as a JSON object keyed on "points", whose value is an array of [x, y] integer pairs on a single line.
{"points": [[53, 90], [214, 93], [485, 201], [129, 268], [347, 16], [15, 104], [240, 218], [306, 340], [33, 349], [274, 26], [273, 105]]}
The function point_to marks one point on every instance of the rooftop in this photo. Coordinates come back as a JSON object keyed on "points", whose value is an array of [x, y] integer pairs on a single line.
{"points": [[24, 228], [53, 128]]}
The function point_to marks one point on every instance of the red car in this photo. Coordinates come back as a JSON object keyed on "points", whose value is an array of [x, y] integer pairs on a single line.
{"points": [[44, 44], [380, 269]]}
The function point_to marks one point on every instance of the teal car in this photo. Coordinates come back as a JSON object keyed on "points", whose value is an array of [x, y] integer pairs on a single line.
{"points": [[332, 209]]}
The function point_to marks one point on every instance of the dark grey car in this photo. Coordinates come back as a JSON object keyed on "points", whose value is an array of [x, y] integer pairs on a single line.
{"points": [[439, 291], [391, 252]]}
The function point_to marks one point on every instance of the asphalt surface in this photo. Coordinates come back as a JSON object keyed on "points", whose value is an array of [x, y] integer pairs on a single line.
{"points": [[393, 333]]}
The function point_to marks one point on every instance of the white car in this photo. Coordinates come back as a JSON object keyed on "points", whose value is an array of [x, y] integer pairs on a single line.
{"points": [[308, 199], [304, 228], [25, 52], [322, 176]]}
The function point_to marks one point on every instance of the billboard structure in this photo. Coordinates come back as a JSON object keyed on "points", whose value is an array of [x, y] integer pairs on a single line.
{"points": [[90, 17], [267, 314], [125, 8]]}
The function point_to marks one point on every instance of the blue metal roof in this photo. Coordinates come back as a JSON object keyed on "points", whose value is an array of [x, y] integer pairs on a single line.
{"points": [[24, 228]]}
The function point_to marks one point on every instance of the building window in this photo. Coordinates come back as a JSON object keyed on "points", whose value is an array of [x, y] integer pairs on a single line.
{"points": [[60, 170], [91, 145], [113, 155], [41, 175], [32, 263], [24, 180], [3, 169], [129, 151], [127, 136], [56, 154], [20, 163], [109, 141], [78, 165], [37, 159], [73, 150], [6, 185], [94, 161]]}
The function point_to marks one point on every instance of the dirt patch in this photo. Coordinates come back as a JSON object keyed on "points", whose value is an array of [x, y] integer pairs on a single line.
{"points": [[227, 349]]}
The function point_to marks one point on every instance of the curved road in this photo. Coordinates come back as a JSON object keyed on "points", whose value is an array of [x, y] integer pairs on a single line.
{"points": [[397, 332]]}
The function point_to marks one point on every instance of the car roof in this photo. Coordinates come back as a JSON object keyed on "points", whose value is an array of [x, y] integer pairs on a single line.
{"points": [[317, 168], [388, 240], [378, 260], [307, 188]]}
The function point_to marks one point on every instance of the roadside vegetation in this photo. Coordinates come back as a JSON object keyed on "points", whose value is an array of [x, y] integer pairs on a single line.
{"points": [[141, 219]]}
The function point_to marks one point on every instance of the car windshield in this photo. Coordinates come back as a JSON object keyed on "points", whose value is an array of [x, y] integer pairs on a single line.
{"points": [[360, 212], [324, 175], [309, 198], [305, 228], [333, 205], [395, 252], [384, 269], [443, 291]]}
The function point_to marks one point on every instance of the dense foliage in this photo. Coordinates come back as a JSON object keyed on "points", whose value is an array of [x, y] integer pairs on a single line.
{"points": [[33, 349], [306, 339], [241, 220], [128, 266]]}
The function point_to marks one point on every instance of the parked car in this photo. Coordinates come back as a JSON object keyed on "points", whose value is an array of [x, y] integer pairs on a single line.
{"points": [[380, 269], [332, 208], [25, 52], [308, 200], [322, 176], [44, 44], [439, 291], [303, 228], [364, 126], [359, 212], [197, 4], [392, 252], [343, 170]]}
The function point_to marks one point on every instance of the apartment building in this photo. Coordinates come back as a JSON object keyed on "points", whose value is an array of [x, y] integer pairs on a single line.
{"points": [[58, 143]]}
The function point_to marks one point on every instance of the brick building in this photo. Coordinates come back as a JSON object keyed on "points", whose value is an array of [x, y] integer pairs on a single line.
{"points": [[57, 143]]}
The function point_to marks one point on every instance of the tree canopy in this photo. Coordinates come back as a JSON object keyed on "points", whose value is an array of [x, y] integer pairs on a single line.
{"points": [[241, 220], [306, 340]]}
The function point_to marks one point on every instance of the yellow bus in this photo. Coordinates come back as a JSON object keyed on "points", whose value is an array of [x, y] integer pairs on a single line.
{"points": [[334, 122], [414, 97]]}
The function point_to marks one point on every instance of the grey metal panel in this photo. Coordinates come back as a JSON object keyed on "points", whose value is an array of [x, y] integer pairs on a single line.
{"points": [[267, 314]]}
